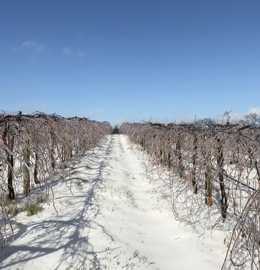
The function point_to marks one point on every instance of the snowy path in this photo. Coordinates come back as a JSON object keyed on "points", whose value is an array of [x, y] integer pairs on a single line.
{"points": [[109, 217]]}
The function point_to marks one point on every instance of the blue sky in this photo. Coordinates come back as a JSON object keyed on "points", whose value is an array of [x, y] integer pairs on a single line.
{"points": [[130, 60]]}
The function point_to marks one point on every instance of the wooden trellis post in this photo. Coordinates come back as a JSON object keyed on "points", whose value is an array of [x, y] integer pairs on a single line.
{"points": [[53, 161], [194, 159], [179, 156], [8, 140], [220, 162], [208, 179], [26, 159], [208, 173], [35, 173]]}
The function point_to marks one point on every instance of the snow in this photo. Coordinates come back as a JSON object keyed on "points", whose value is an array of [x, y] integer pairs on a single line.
{"points": [[109, 214]]}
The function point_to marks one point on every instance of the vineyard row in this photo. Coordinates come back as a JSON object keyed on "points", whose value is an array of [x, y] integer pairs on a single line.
{"points": [[209, 169], [33, 147]]}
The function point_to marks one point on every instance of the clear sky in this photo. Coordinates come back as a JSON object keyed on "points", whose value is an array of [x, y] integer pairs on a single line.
{"points": [[114, 60]]}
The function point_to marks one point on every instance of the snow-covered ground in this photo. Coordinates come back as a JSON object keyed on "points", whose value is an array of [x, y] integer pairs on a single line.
{"points": [[109, 215]]}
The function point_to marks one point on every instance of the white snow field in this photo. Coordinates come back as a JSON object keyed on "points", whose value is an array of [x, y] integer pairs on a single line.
{"points": [[109, 215]]}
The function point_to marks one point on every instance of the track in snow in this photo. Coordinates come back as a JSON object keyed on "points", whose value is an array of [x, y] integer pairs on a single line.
{"points": [[110, 216]]}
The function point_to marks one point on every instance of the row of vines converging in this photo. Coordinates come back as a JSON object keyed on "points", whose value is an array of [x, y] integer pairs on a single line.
{"points": [[213, 174], [32, 148]]}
